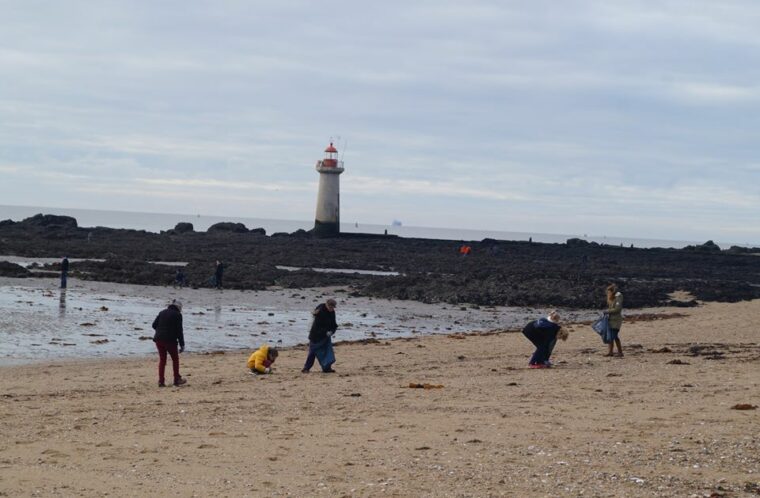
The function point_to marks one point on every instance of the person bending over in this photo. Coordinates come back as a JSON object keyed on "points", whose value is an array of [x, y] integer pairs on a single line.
{"points": [[168, 327], [543, 334], [261, 360]]}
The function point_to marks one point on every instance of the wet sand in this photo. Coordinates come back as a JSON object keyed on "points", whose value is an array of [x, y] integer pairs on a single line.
{"points": [[658, 422]]}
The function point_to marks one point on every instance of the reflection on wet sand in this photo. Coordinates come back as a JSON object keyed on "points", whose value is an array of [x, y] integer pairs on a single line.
{"points": [[218, 309], [62, 304]]}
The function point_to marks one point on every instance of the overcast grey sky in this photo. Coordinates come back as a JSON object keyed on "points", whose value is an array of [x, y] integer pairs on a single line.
{"points": [[625, 118]]}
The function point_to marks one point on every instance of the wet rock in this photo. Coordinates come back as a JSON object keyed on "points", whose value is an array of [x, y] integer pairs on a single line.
{"points": [[8, 269]]}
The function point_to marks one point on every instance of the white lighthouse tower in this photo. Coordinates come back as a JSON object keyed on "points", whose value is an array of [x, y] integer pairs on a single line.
{"points": [[327, 220]]}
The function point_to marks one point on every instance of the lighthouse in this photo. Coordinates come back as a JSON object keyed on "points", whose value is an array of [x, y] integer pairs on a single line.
{"points": [[327, 220]]}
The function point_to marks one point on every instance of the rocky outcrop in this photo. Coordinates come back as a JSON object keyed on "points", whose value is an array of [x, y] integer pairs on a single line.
{"points": [[183, 227], [708, 246], [50, 221], [496, 272], [8, 269], [228, 226]]}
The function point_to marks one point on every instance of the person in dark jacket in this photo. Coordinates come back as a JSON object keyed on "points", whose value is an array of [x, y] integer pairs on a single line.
{"points": [[320, 337], [218, 274], [168, 327], [179, 278], [543, 334], [64, 271]]}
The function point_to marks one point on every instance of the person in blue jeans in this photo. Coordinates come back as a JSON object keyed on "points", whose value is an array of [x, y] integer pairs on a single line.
{"points": [[320, 337], [543, 334]]}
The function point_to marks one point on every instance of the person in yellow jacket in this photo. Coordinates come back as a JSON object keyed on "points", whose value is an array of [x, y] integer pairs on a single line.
{"points": [[260, 362]]}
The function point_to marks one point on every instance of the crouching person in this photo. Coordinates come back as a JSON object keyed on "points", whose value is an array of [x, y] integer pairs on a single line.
{"points": [[261, 360], [543, 333]]}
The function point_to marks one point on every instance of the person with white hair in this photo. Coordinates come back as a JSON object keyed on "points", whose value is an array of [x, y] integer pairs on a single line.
{"points": [[169, 334], [543, 334]]}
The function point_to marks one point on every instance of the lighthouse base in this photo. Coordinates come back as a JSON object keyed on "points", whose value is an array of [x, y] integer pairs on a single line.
{"points": [[326, 228]]}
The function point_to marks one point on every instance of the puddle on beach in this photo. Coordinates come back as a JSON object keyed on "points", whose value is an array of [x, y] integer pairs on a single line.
{"points": [[96, 319], [341, 270]]}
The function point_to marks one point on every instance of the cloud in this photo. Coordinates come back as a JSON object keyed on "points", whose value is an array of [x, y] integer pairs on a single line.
{"points": [[544, 114]]}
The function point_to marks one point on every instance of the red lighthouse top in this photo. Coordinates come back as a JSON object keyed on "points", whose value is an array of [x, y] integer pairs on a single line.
{"points": [[331, 157]]}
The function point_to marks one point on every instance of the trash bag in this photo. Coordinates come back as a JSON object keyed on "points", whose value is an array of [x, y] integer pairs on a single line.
{"points": [[602, 327]]}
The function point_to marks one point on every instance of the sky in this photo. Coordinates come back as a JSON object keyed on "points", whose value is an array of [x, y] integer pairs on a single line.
{"points": [[627, 118]]}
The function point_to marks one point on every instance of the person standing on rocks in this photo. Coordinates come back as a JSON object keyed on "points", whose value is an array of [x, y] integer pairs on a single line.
{"points": [[543, 334], [218, 274], [64, 271], [168, 327], [615, 314], [320, 337]]}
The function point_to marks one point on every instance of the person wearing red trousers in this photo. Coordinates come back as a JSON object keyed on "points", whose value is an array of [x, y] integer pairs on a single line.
{"points": [[168, 327]]}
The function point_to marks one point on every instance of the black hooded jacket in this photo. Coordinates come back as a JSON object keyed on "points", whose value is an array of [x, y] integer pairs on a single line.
{"points": [[168, 326], [324, 322]]}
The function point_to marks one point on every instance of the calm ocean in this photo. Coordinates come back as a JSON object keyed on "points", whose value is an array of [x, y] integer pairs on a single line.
{"points": [[156, 222]]}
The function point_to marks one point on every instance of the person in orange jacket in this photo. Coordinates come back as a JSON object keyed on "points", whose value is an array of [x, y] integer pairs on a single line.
{"points": [[260, 361]]}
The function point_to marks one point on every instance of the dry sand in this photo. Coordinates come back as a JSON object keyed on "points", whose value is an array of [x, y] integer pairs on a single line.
{"points": [[592, 426]]}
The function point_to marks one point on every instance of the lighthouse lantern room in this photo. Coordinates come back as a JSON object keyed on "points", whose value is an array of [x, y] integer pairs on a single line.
{"points": [[327, 219]]}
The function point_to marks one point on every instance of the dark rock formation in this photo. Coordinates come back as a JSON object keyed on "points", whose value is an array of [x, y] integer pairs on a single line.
{"points": [[50, 221], [708, 246], [183, 227], [8, 269], [228, 226], [570, 275]]}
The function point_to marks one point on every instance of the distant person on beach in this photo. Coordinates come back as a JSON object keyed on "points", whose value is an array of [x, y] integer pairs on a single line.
{"points": [[64, 271], [323, 327], [260, 361], [218, 274], [543, 333], [615, 314], [465, 250], [168, 327], [179, 278]]}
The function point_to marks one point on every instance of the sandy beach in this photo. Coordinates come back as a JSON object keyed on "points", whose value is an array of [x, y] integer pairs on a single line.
{"points": [[658, 422]]}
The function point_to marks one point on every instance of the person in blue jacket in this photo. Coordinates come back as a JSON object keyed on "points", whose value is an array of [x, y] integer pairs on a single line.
{"points": [[543, 334]]}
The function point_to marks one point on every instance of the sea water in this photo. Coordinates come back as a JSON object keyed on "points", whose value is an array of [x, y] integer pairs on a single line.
{"points": [[156, 222]]}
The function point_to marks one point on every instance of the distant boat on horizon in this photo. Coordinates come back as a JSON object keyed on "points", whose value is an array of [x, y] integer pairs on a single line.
{"points": [[396, 223]]}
